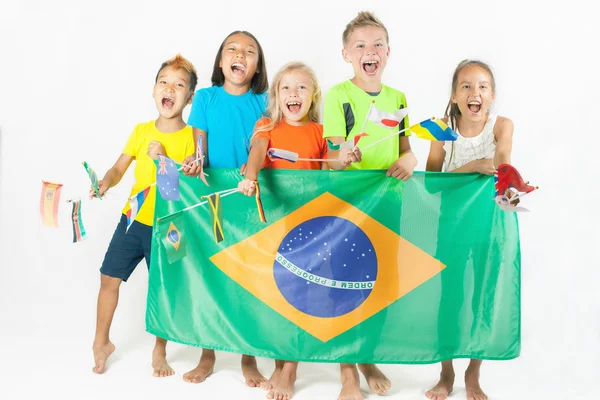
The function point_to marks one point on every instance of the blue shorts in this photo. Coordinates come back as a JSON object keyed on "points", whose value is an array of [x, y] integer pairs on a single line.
{"points": [[126, 249]]}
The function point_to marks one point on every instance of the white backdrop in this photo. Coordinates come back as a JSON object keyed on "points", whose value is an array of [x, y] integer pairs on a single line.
{"points": [[77, 77]]}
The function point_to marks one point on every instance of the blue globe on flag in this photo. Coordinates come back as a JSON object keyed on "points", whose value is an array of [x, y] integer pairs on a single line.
{"points": [[326, 267]]}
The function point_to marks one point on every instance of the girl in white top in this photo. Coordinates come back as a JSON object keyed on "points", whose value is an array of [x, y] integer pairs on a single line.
{"points": [[484, 142]]}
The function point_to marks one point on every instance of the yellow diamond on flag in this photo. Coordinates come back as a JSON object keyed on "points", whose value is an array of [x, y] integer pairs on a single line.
{"points": [[327, 266]]}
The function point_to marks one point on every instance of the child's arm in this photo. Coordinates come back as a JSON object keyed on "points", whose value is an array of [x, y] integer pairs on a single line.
{"points": [[113, 176], [435, 160], [257, 155], [484, 166], [503, 132], [404, 167], [197, 134], [192, 167]]}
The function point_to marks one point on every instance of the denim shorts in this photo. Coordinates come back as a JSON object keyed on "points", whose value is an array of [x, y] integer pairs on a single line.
{"points": [[126, 249]]}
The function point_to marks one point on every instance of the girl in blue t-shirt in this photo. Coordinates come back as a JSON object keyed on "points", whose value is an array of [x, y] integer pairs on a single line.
{"points": [[223, 116], [225, 113]]}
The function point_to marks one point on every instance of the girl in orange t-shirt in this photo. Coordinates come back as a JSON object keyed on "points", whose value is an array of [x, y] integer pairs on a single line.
{"points": [[292, 125]]}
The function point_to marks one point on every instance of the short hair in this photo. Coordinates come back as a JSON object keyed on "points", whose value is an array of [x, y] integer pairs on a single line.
{"points": [[260, 81], [180, 62], [363, 19]]}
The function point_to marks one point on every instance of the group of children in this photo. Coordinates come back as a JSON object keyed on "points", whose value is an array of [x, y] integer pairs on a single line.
{"points": [[236, 114]]}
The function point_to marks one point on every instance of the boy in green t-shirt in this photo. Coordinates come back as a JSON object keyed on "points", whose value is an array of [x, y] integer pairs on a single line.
{"points": [[346, 104], [366, 47]]}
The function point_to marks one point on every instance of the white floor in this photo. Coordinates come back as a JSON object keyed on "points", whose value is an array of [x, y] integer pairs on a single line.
{"points": [[46, 350]]}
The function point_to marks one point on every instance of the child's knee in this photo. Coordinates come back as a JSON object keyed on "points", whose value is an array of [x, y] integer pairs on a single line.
{"points": [[109, 283]]}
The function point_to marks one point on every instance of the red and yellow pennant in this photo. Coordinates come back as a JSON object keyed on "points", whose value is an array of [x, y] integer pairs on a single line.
{"points": [[49, 203]]}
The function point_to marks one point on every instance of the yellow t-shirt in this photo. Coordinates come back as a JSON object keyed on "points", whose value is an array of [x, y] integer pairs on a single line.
{"points": [[178, 146]]}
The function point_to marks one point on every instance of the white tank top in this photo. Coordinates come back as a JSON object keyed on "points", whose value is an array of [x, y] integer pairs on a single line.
{"points": [[464, 150]]}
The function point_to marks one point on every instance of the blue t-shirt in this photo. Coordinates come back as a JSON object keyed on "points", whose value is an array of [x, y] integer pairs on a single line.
{"points": [[229, 123]]}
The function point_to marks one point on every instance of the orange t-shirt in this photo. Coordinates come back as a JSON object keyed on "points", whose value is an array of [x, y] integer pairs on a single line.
{"points": [[306, 140]]}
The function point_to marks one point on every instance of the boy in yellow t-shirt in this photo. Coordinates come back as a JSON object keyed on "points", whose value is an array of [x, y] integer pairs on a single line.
{"points": [[167, 135]]}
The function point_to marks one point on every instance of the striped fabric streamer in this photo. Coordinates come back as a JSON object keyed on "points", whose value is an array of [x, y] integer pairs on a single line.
{"points": [[216, 216], [261, 210], [78, 229], [93, 179], [434, 129], [49, 203], [135, 204]]}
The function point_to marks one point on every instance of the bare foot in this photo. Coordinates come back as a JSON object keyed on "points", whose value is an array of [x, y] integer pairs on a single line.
{"points": [[101, 354], [443, 388], [159, 363], [350, 383], [203, 370], [274, 379], [377, 381], [250, 371], [474, 391], [284, 388]]}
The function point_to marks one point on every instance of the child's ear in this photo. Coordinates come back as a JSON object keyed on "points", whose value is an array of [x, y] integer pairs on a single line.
{"points": [[388, 51], [345, 55], [190, 98]]}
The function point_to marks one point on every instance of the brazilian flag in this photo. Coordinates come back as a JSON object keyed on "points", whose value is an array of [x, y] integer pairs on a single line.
{"points": [[352, 266]]}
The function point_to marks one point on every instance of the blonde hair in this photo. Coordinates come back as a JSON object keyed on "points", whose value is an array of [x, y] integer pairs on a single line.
{"points": [[452, 111], [180, 62], [274, 112], [363, 19]]}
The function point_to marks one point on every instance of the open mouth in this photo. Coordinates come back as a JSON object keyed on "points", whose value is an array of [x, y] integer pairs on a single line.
{"points": [[238, 69], [294, 106], [168, 103], [370, 67], [474, 106]]}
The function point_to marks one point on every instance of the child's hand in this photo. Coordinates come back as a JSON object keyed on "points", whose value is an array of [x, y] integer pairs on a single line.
{"points": [[485, 166], [347, 156], [191, 166], [154, 149], [102, 188], [403, 167], [510, 194], [247, 187], [243, 169]]}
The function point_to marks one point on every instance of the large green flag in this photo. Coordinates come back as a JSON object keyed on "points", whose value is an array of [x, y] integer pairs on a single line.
{"points": [[351, 266]]}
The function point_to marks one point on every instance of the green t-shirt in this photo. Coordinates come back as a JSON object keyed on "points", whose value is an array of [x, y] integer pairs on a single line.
{"points": [[346, 108]]}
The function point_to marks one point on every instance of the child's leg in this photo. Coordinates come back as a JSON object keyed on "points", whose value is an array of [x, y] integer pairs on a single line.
{"points": [[350, 383], [108, 297], [203, 369], [446, 383], [159, 359], [378, 382], [124, 253], [274, 379], [250, 371], [474, 391], [284, 388]]}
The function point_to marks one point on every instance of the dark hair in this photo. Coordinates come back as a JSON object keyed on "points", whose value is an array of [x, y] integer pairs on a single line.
{"points": [[452, 111], [259, 83], [180, 62]]}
